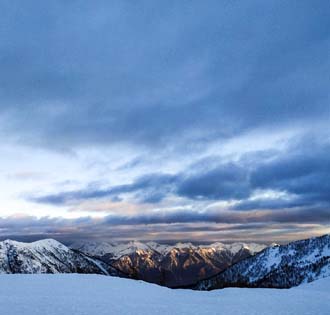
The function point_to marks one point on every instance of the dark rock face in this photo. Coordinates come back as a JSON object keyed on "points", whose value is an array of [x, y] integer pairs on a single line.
{"points": [[277, 267], [172, 266]]}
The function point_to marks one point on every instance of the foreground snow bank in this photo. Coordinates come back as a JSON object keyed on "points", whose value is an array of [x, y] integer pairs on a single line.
{"points": [[72, 294]]}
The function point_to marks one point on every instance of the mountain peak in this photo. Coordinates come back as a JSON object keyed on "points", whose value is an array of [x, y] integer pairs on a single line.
{"points": [[45, 256], [280, 266]]}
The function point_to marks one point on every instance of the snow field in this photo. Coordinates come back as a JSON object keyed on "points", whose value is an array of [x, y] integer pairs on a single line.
{"points": [[70, 294]]}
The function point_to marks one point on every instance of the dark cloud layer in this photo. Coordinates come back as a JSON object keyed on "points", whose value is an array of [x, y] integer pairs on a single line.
{"points": [[184, 216], [225, 182], [76, 74], [262, 226]]}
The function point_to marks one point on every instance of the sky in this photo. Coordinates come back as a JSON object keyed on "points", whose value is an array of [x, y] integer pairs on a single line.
{"points": [[165, 120]]}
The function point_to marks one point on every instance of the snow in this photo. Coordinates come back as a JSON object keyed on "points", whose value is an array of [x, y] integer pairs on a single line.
{"points": [[100, 295], [160, 248], [98, 264], [44, 256], [273, 260], [234, 248], [131, 247], [120, 249], [94, 248], [48, 244], [115, 249]]}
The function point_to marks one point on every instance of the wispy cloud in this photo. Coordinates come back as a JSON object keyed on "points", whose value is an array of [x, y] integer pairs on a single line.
{"points": [[298, 172]]}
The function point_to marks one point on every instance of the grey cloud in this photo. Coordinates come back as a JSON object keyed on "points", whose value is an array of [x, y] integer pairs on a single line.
{"points": [[149, 188], [300, 171], [305, 215], [191, 226], [149, 74], [228, 181], [270, 203], [303, 171]]}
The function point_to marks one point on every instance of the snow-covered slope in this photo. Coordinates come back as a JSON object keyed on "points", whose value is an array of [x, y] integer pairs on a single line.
{"points": [[277, 266], [46, 256], [99, 295], [170, 265]]}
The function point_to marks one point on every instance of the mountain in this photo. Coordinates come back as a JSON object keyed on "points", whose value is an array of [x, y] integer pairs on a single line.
{"points": [[178, 265], [277, 267], [169, 265], [175, 265], [47, 256]]}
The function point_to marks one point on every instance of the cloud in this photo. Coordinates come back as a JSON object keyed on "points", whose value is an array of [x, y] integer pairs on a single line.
{"points": [[303, 171], [296, 177], [225, 182], [264, 192], [270, 203], [150, 188], [159, 75], [264, 226], [308, 215], [27, 175], [172, 84]]}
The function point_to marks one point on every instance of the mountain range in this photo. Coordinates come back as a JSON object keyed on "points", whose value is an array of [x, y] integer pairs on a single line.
{"points": [[175, 265], [185, 265]]}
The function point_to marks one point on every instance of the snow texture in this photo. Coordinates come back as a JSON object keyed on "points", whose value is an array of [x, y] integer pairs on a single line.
{"points": [[47, 256], [73, 294]]}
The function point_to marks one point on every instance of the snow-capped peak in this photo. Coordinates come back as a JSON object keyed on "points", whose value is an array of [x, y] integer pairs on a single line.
{"points": [[44, 256]]}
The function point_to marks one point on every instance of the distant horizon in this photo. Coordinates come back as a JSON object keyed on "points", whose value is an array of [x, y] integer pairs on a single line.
{"points": [[164, 242]]}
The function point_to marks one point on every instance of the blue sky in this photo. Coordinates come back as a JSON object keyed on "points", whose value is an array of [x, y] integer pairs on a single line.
{"points": [[176, 120]]}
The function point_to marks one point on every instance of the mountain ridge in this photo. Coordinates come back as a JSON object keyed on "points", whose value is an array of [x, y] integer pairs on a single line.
{"points": [[279, 266], [47, 256], [181, 265], [169, 265]]}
